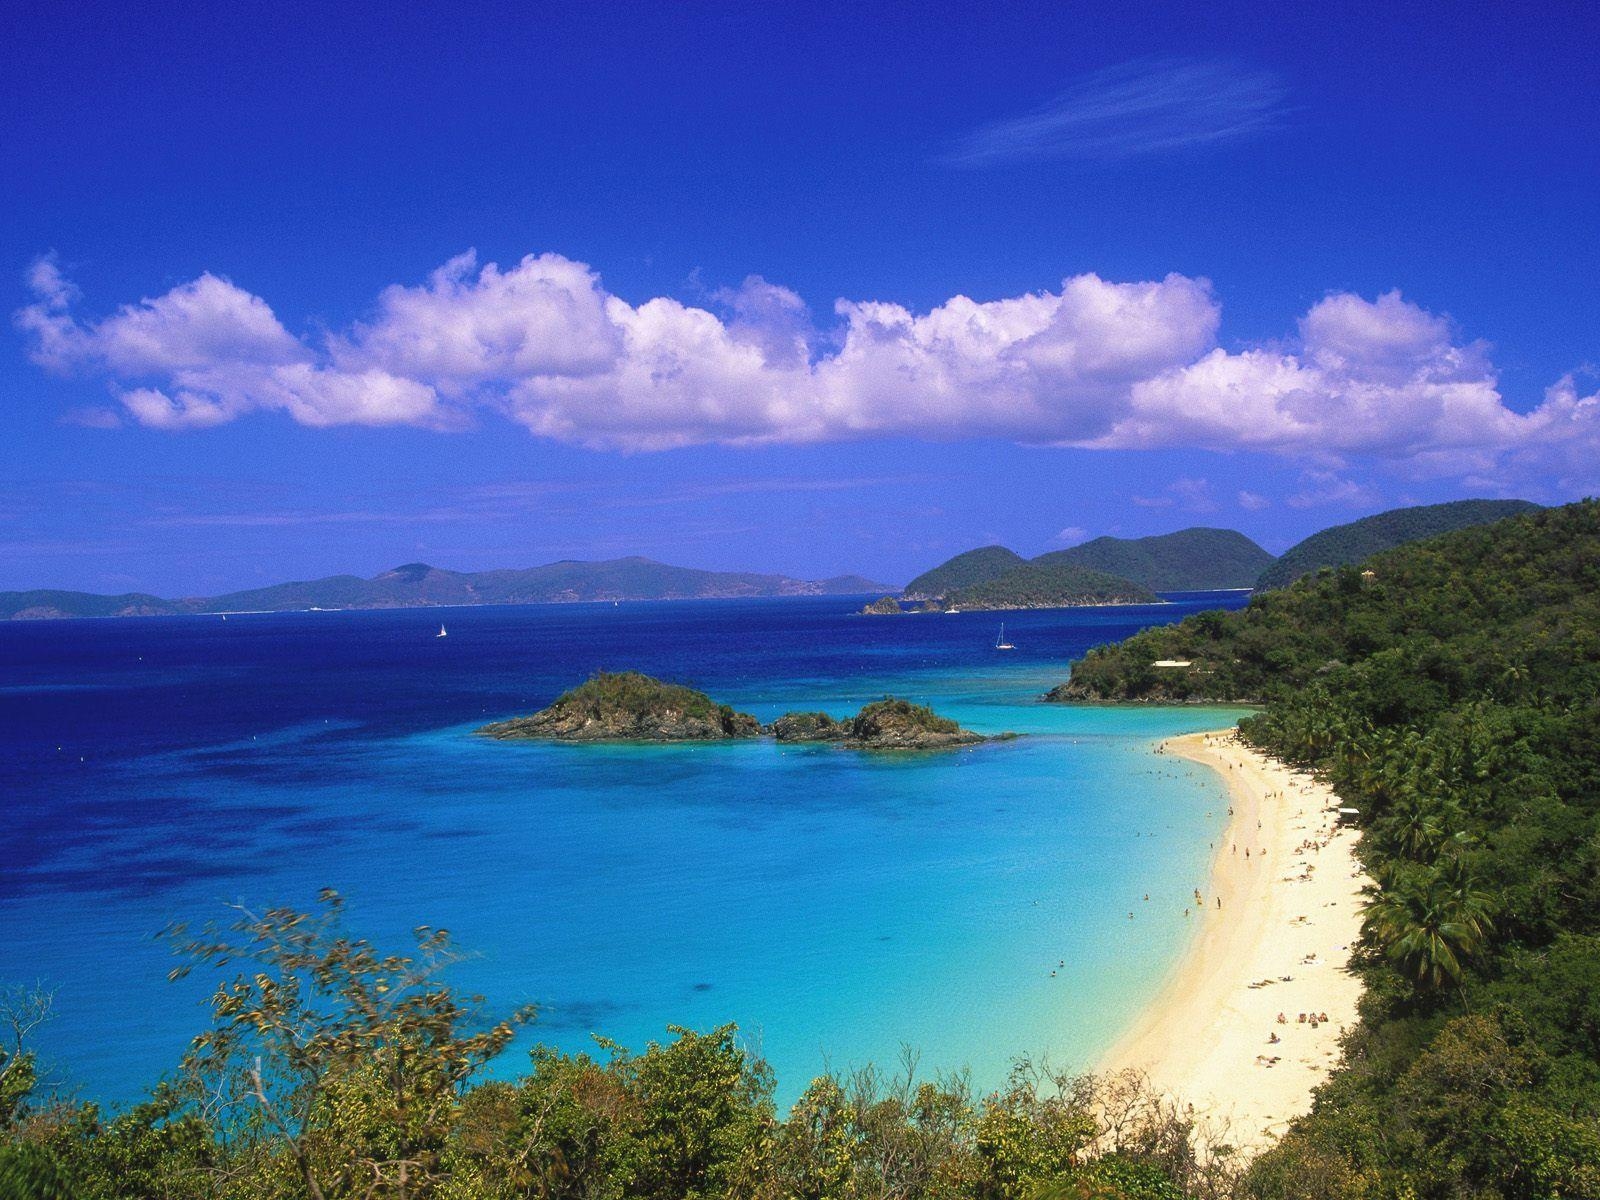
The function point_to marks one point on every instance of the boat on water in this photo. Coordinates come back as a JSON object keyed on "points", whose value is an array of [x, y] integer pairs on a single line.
{"points": [[1000, 642], [441, 632]]}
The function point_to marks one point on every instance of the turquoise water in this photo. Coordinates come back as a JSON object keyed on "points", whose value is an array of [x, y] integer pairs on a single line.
{"points": [[838, 906]]}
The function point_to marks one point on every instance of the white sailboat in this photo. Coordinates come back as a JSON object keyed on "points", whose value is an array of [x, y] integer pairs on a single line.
{"points": [[441, 632], [1000, 642]]}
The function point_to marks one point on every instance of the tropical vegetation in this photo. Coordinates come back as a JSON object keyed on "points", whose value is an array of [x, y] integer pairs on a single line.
{"points": [[1342, 545]]}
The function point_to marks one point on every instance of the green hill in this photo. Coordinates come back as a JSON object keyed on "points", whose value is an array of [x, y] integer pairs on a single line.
{"points": [[964, 570], [1346, 544], [1190, 560], [1050, 585], [48, 604], [1450, 692]]}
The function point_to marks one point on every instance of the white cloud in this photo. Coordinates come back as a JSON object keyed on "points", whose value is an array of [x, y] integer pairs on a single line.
{"points": [[1072, 535], [544, 317], [1097, 364], [1253, 501], [1382, 378]]}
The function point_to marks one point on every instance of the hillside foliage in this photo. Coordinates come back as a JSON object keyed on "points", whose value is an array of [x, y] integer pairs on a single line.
{"points": [[1053, 585], [1343, 545], [964, 570], [1190, 560]]}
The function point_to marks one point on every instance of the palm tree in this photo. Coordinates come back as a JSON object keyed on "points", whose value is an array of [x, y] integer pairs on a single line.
{"points": [[1429, 922]]}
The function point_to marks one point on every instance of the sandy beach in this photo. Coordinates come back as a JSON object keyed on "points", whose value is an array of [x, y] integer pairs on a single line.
{"points": [[1271, 957]]}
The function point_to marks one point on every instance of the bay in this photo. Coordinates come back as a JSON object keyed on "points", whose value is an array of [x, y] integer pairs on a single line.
{"points": [[841, 907]]}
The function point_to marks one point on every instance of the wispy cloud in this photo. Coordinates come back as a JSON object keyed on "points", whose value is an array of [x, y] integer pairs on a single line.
{"points": [[1148, 106]]}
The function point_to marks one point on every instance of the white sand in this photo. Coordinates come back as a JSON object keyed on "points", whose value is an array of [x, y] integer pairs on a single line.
{"points": [[1292, 911]]}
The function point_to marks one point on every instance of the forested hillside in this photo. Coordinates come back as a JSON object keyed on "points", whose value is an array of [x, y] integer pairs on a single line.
{"points": [[1050, 585], [1189, 560], [1450, 689], [964, 570], [1345, 544]]}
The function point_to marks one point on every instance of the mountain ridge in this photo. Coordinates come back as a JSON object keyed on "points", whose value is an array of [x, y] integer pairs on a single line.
{"points": [[1197, 559], [1344, 545], [420, 585]]}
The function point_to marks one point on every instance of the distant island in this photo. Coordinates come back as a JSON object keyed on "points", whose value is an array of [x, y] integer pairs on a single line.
{"points": [[1343, 545], [1050, 585], [1197, 559], [1190, 560], [629, 706], [1107, 570], [995, 582], [418, 585], [964, 570]]}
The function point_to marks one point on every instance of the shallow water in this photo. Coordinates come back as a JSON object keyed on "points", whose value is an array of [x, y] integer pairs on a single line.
{"points": [[838, 905]]}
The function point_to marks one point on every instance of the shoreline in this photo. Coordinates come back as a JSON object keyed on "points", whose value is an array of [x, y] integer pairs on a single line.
{"points": [[1295, 912]]}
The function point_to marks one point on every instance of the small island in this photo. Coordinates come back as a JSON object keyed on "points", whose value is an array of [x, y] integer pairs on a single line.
{"points": [[627, 706], [995, 578], [888, 606], [1050, 585], [887, 724]]}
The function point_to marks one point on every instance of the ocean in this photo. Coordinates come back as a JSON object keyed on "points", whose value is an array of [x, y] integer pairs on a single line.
{"points": [[843, 908]]}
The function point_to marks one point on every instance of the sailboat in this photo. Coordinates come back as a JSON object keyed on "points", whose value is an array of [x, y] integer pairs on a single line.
{"points": [[441, 632], [1000, 642]]}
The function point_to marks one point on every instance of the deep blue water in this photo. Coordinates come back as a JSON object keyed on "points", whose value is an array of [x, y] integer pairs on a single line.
{"points": [[838, 905]]}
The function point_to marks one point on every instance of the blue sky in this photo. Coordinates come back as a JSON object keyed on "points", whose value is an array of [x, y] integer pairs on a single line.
{"points": [[1259, 266]]}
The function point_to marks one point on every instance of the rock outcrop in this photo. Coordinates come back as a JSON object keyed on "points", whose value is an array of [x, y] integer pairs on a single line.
{"points": [[886, 607], [886, 724], [809, 727]]}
